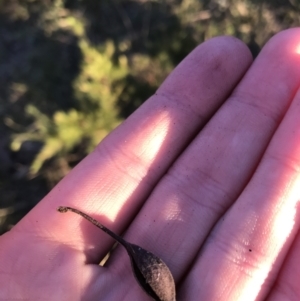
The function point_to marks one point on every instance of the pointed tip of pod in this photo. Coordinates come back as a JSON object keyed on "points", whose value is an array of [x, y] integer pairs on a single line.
{"points": [[152, 274]]}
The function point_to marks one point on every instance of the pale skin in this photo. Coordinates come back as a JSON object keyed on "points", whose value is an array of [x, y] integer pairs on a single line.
{"points": [[205, 174]]}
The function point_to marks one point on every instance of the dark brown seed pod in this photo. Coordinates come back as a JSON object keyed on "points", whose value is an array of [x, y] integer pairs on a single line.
{"points": [[150, 271]]}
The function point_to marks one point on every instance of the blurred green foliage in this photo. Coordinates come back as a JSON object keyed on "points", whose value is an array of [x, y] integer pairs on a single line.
{"points": [[94, 116], [71, 71]]}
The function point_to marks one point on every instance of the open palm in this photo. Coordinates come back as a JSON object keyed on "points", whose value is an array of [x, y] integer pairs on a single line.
{"points": [[205, 174]]}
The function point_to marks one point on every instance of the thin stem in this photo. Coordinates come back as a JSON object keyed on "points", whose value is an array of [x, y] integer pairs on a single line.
{"points": [[63, 209]]}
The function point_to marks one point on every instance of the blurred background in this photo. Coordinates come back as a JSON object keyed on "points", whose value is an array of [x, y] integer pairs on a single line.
{"points": [[71, 71]]}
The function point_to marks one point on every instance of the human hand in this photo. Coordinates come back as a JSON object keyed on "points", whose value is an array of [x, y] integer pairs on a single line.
{"points": [[205, 174]]}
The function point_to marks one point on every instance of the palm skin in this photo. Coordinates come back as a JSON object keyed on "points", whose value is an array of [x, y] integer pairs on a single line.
{"points": [[205, 174]]}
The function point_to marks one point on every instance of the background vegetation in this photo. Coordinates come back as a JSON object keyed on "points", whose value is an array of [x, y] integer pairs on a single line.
{"points": [[71, 70]]}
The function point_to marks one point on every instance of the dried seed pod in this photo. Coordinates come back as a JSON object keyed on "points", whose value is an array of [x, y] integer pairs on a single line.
{"points": [[150, 271]]}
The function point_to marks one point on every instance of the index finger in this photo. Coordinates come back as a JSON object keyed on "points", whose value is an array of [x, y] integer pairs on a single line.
{"points": [[115, 179]]}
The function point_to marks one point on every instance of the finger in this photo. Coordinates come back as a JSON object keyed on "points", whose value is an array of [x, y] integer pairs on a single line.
{"points": [[246, 250], [113, 181], [215, 168], [287, 284]]}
